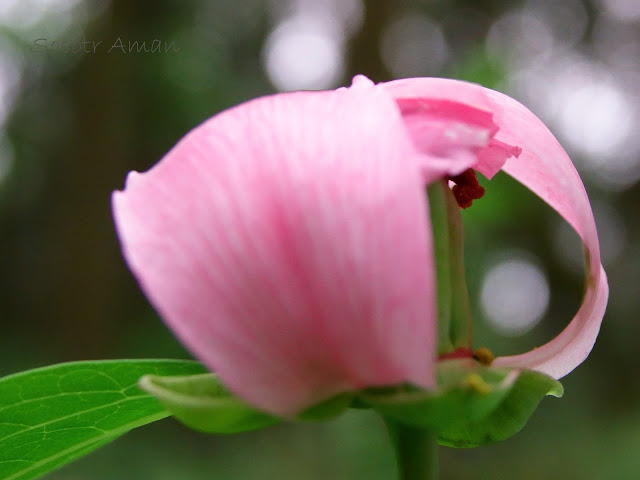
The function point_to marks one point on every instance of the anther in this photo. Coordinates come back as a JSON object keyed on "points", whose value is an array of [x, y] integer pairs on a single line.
{"points": [[466, 188], [476, 383], [484, 356]]}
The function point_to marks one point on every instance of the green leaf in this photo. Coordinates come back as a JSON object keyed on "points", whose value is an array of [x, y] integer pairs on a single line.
{"points": [[53, 415], [510, 415], [201, 402]]}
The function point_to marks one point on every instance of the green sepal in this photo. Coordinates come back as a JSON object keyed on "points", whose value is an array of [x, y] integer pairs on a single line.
{"points": [[509, 417], [329, 408], [201, 402], [472, 405], [466, 392]]}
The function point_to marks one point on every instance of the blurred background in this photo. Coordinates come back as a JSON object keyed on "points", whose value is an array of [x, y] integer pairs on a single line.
{"points": [[81, 104]]}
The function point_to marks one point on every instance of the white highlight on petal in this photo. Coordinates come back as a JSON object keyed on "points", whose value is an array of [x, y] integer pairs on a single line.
{"points": [[515, 295], [304, 53]]}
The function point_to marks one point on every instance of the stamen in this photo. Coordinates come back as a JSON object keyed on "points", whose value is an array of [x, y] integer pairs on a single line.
{"points": [[476, 383], [466, 188], [484, 356]]}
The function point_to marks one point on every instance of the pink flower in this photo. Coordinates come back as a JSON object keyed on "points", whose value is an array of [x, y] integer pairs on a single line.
{"points": [[287, 241]]}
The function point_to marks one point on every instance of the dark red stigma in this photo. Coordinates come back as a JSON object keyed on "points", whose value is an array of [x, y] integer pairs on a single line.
{"points": [[466, 188]]}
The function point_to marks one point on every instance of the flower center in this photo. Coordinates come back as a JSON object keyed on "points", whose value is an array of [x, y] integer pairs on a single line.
{"points": [[482, 355], [466, 188]]}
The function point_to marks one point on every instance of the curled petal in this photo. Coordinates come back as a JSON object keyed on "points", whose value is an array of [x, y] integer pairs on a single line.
{"points": [[286, 243], [493, 157], [525, 148], [459, 118], [449, 134], [545, 168]]}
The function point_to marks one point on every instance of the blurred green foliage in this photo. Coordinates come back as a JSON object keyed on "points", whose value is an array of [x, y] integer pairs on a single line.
{"points": [[79, 123]]}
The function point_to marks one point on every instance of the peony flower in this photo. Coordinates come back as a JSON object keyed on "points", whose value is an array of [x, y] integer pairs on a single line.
{"points": [[287, 241]]}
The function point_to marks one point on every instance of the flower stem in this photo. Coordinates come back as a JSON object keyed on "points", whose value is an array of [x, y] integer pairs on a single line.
{"points": [[416, 451]]}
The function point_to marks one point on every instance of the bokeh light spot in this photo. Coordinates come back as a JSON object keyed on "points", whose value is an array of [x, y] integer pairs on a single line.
{"points": [[304, 53], [623, 10], [514, 295]]}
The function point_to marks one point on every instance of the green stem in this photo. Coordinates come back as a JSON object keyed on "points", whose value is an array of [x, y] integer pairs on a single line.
{"points": [[416, 451]]}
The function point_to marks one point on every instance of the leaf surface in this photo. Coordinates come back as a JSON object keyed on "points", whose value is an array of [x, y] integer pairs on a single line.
{"points": [[53, 415]]}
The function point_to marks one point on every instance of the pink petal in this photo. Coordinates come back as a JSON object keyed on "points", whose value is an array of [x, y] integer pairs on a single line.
{"points": [[423, 100], [450, 134], [544, 167], [286, 243], [493, 157]]}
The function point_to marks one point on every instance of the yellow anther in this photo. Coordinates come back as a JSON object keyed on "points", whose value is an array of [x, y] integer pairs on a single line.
{"points": [[484, 356], [475, 382]]}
